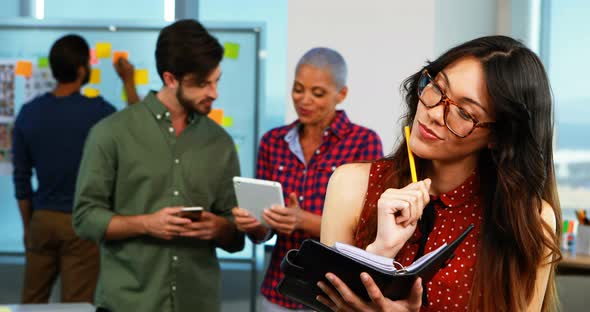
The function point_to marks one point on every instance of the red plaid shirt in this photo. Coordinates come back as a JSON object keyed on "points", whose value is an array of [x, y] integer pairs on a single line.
{"points": [[344, 142]]}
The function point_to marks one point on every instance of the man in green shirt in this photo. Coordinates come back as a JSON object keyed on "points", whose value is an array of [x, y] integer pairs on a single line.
{"points": [[141, 165]]}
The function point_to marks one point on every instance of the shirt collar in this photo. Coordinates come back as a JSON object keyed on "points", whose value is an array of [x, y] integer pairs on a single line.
{"points": [[159, 110], [460, 194], [340, 126], [293, 133]]}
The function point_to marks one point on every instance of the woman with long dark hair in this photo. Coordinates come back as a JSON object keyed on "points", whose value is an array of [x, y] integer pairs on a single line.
{"points": [[482, 127]]}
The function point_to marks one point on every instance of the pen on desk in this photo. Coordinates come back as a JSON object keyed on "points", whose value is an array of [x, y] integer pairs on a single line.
{"points": [[410, 155]]}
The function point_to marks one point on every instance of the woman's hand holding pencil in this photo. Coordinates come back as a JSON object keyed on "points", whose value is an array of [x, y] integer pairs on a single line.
{"points": [[399, 211]]}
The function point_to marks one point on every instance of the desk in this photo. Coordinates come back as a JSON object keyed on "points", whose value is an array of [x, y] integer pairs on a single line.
{"points": [[578, 264]]}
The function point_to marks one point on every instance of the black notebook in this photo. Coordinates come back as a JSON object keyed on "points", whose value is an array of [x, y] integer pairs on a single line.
{"points": [[305, 266]]}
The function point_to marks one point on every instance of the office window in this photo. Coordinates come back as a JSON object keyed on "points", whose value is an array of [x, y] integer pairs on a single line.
{"points": [[566, 52]]}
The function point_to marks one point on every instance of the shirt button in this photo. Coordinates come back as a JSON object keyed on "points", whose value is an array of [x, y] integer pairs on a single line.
{"points": [[159, 116], [333, 168], [317, 152], [301, 198], [304, 171], [177, 161], [280, 168], [167, 114], [174, 258], [325, 133], [176, 193], [173, 288], [171, 129]]}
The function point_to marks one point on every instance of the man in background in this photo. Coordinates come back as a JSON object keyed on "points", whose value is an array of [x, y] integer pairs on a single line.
{"points": [[49, 136], [141, 165]]}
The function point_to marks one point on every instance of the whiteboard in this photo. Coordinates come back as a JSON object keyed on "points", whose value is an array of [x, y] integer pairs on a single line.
{"points": [[29, 40]]}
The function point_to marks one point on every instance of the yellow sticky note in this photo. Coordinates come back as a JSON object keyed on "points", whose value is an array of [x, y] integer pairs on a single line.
{"points": [[124, 95], [43, 62], [217, 115], [103, 49], [232, 50], [95, 76], [227, 121], [5, 309], [91, 92], [141, 76], [24, 68], [120, 54]]}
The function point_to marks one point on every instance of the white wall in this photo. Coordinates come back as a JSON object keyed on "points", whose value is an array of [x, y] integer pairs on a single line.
{"points": [[383, 42], [457, 21]]}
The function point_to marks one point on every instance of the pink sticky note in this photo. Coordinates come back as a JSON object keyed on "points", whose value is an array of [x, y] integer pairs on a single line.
{"points": [[93, 58]]}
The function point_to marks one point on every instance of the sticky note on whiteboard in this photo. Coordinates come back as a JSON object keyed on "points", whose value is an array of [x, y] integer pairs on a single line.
{"points": [[217, 115], [103, 49], [232, 50], [94, 76], [43, 62], [91, 92], [141, 77], [120, 54], [227, 121], [93, 58], [24, 68]]}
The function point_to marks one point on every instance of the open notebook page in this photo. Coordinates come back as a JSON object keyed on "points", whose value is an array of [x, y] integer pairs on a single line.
{"points": [[381, 262]]}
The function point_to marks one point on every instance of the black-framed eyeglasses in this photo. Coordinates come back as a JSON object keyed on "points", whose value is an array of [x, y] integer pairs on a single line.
{"points": [[457, 119]]}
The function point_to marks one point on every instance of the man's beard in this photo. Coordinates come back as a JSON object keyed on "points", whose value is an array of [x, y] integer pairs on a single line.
{"points": [[187, 104]]}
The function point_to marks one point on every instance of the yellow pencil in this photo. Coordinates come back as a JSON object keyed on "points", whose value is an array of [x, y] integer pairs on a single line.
{"points": [[410, 155]]}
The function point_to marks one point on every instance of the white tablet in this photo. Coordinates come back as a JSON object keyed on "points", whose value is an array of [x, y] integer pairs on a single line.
{"points": [[255, 195]]}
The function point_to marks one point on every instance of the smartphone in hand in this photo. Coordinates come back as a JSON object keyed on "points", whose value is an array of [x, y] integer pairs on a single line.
{"points": [[193, 213]]}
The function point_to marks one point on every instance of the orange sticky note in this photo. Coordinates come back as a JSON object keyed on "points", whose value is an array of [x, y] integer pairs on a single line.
{"points": [[91, 92], [93, 58], [24, 68], [141, 76], [217, 115], [103, 49], [120, 54], [94, 76]]}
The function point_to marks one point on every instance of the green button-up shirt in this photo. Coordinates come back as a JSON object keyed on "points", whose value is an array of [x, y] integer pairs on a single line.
{"points": [[133, 164]]}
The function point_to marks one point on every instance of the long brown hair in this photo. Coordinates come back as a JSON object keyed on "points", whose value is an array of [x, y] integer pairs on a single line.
{"points": [[516, 174]]}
